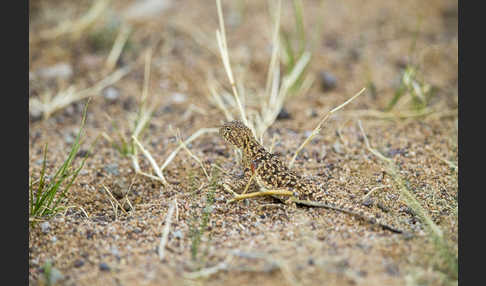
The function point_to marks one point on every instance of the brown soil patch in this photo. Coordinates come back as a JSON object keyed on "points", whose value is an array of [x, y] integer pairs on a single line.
{"points": [[268, 243]]}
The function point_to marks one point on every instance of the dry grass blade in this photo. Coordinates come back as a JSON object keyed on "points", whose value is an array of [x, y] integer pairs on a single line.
{"points": [[433, 230], [195, 158], [223, 49], [319, 126], [165, 232], [64, 98], [116, 50], [114, 200], [209, 271], [149, 157], [78, 26], [187, 141]]}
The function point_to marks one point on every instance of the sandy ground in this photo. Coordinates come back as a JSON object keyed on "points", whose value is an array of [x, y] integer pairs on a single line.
{"points": [[259, 241]]}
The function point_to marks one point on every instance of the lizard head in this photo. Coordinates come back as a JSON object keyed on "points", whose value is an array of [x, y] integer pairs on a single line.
{"points": [[235, 133]]}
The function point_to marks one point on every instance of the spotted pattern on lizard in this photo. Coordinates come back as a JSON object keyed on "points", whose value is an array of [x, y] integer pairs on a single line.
{"points": [[271, 173]]}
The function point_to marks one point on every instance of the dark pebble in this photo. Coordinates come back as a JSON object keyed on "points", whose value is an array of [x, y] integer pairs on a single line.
{"points": [[82, 153], [328, 81], [382, 207], [78, 263], [392, 269], [128, 104], [368, 202], [283, 114], [104, 267]]}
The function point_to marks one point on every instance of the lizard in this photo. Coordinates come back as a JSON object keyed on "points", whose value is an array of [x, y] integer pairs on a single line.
{"points": [[274, 178]]}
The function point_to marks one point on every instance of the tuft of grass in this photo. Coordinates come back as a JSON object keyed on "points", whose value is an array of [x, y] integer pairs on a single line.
{"points": [[294, 51], [200, 222], [419, 92], [279, 87], [47, 194], [50, 275]]}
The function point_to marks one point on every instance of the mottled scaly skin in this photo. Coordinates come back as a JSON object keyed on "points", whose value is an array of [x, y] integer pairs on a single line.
{"points": [[271, 173]]}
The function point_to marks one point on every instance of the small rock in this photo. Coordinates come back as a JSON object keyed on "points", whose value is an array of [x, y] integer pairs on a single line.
{"points": [[368, 202], [61, 70], [126, 205], [337, 147], [45, 226], [82, 153], [392, 269], [104, 267], [111, 93], [283, 114], [382, 207], [69, 139], [310, 261], [177, 234], [112, 169], [129, 104], [178, 97], [78, 263], [114, 251], [328, 81]]}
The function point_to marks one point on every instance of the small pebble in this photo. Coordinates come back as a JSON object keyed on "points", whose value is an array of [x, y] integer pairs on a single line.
{"points": [[61, 70], [178, 97], [112, 169], [78, 263], [337, 147], [368, 202], [283, 114], [177, 234], [104, 267], [328, 81], [82, 153], [111, 93], [45, 226], [69, 139], [392, 269]]}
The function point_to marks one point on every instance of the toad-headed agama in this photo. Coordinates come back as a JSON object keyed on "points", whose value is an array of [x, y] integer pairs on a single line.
{"points": [[276, 179]]}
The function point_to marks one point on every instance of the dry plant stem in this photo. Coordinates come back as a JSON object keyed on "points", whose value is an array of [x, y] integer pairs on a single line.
{"points": [[117, 48], [165, 232], [373, 190], [146, 78], [408, 197], [319, 126], [195, 158], [79, 207], [156, 168], [66, 97], [115, 200], [187, 141], [77, 27], [209, 271], [223, 49]]}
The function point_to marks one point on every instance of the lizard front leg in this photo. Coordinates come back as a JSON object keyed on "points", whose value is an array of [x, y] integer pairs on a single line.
{"points": [[237, 184]]}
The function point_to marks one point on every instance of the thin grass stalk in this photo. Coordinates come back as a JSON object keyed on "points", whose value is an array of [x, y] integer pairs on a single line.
{"points": [[319, 126]]}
